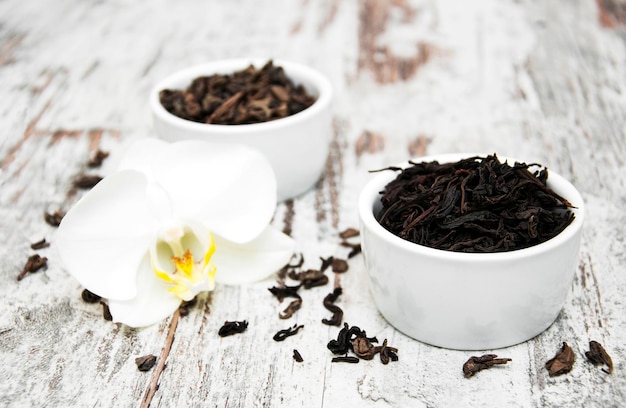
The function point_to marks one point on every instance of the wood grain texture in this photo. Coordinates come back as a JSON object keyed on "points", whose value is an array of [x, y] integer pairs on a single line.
{"points": [[543, 81]]}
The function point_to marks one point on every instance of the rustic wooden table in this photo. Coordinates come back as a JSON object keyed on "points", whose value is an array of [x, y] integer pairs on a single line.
{"points": [[540, 80]]}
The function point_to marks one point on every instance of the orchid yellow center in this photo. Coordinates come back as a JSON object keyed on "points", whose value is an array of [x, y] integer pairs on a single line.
{"points": [[181, 258]]}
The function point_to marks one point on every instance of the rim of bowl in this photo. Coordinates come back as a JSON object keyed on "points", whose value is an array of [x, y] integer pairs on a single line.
{"points": [[370, 196], [302, 74]]}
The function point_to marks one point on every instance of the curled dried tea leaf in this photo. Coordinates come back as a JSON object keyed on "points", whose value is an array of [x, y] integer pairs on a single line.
{"points": [[97, 158], [89, 297], [106, 312], [364, 349], [54, 218], [387, 353], [345, 359], [318, 280], [85, 181], [293, 307], [41, 244], [283, 334], [297, 356], [340, 265], [145, 363], [185, 307], [230, 328], [562, 362], [597, 355], [329, 301], [285, 291], [476, 364], [340, 345], [355, 249], [349, 233], [33, 264], [345, 337], [326, 262], [309, 274]]}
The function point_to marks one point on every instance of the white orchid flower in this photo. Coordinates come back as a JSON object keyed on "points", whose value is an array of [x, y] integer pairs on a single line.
{"points": [[173, 220]]}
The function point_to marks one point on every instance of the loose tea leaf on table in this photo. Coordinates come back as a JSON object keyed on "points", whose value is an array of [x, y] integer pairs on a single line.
{"points": [[597, 355], [349, 233], [106, 312], [33, 264], [54, 218], [86, 181], [41, 244], [475, 205], [476, 364], [297, 356], [230, 328], [145, 363], [283, 334], [185, 307], [89, 297], [247, 96], [329, 304], [287, 291], [97, 158], [562, 363]]}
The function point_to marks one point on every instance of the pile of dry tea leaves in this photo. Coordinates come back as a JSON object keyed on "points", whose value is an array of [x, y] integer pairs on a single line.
{"points": [[248, 96], [475, 205]]}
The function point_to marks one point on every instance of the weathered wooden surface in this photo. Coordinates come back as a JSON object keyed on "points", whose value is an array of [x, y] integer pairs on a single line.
{"points": [[540, 80]]}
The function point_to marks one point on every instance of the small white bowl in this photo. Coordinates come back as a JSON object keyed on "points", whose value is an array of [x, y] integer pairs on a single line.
{"points": [[296, 146], [468, 301]]}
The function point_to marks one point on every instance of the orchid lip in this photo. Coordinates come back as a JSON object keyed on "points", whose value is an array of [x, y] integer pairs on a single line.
{"points": [[181, 258]]}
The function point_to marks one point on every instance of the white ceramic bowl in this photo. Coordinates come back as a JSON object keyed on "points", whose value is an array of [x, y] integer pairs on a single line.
{"points": [[296, 145], [468, 301]]}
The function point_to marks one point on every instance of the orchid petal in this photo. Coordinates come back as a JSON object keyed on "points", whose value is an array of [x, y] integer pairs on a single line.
{"points": [[142, 155], [104, 237], [152, 303], [254, 260], [229, 188]]}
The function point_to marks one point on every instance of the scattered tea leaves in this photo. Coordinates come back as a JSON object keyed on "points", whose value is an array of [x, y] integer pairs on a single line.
{"points": [[89, 297], [145, 363], [54, 218], [354, 339], [329, 304], [230, 328], [476, 364], [297, 356], [41, 244], [475, 205], [283, 334], [597, 355], [33, 264], [562, 362]]}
